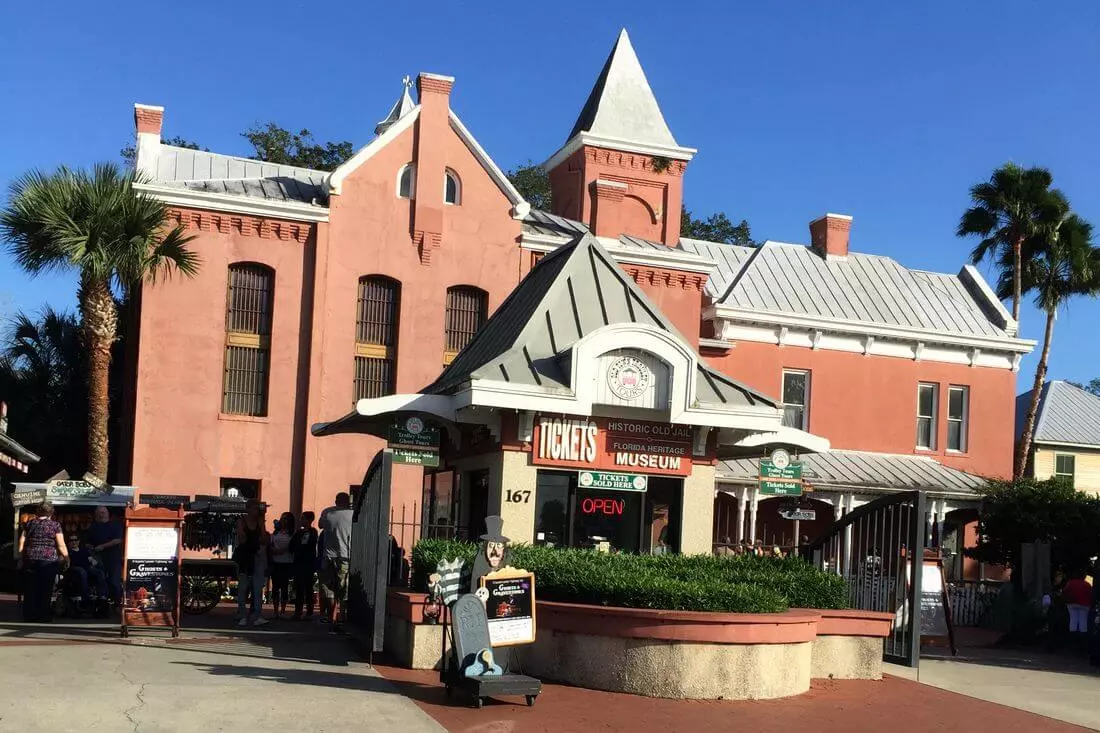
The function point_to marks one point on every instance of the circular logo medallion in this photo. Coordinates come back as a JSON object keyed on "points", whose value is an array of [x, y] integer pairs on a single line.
{"points": [[628, 378], [414, 425], [586, 478], [781, 458]]}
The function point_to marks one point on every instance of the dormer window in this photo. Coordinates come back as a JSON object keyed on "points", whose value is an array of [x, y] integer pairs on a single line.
{"points": [[406, 181], [452, 188]]}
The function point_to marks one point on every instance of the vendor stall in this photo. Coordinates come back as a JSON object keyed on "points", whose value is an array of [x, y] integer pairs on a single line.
{"points": [[74, 503]]}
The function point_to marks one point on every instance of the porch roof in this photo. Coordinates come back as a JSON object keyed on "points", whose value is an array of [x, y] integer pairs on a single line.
{"points": [[850, 469], [15, 455]]}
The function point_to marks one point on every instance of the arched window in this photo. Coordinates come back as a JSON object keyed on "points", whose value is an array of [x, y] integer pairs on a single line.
{"points": [[452, 188], [250, 301], [467, 309], [376, 336], [406, 181]]}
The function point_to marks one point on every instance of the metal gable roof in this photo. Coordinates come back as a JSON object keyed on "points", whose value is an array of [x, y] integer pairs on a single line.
{"points": [[1067, 414], [730, 258], [794, 279], [864, 469], [573, 291], [199, 170]]}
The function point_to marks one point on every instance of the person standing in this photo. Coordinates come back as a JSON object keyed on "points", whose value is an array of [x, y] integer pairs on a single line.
{"points": [[336, 522], [105, 538], [282, 563], [1078, 597], [251, 557], [304, 547], [41, 552]]}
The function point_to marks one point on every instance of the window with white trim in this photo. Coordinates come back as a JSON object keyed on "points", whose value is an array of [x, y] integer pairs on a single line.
{"points": [[927, 397], [452, 188], [796, 399], [958, 418], [406, 181], [1065, 466]]}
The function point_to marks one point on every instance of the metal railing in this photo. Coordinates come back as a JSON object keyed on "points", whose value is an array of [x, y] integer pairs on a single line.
{"points": [[973, 601]]}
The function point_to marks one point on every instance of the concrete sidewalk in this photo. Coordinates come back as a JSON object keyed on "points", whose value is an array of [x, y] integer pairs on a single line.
{"points": [[1056, 686], [199, 684]]}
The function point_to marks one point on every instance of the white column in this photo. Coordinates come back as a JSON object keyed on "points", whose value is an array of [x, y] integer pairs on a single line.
{"points": [[742, 506], [846, 556], [754, 494]]}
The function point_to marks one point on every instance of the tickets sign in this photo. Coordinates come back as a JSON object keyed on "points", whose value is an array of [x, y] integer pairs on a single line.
{"points": [[635, 446]]}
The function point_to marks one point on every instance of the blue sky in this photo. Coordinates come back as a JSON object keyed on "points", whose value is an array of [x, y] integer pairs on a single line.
{"points": [[885, 111]]}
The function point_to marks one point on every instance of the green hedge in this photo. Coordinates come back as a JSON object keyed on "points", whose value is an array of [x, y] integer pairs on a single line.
{"points": [[740, 584]]}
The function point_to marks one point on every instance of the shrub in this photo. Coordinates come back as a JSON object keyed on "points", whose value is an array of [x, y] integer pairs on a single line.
{"points": [[741, 584]]}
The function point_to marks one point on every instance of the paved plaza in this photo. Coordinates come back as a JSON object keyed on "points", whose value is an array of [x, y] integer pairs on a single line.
{"points": [[81, 676]]}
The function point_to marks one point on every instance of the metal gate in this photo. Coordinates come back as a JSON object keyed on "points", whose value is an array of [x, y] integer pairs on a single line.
{"points": [[368, 569], [874, 547]]}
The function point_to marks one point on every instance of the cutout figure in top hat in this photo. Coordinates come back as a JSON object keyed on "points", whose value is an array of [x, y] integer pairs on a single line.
{"points": [[493, 553]]}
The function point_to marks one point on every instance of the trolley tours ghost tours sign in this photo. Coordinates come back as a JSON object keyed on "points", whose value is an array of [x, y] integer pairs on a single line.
{"points": [[413, 442]]}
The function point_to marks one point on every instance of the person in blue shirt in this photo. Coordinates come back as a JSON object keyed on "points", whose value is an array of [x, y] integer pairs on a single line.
{"points": [[104, 538]]}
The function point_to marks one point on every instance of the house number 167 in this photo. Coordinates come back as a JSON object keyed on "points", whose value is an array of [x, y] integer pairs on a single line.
{"points": [[517, 496]]}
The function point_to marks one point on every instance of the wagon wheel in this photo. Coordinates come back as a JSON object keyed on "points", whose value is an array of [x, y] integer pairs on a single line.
{"points": [[531, 700], [199, 594]]}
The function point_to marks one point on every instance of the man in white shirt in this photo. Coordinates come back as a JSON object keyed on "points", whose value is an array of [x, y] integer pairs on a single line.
{"points": [[336, 523]]}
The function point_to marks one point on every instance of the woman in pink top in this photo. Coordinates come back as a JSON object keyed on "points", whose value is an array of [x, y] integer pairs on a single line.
{"points": [[1078, 596]]}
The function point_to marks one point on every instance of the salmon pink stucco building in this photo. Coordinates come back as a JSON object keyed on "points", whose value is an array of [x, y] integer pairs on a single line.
{"points": [[320, 289]]}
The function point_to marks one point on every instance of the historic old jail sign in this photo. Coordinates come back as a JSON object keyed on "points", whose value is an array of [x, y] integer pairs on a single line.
{"points": [[613, 444]]}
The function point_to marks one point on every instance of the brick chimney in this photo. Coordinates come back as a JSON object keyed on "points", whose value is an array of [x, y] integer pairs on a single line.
{"points": [[148, 120], [829, 235], [433, 127]]}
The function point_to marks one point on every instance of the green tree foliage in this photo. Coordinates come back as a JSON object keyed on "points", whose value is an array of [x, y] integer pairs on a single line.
{"points": [[716, 228], [1014, 205], [129, 152], [1059, 264], [1092, 387], [1031, 510], [275, 144], [533, 184], [93, 223]]}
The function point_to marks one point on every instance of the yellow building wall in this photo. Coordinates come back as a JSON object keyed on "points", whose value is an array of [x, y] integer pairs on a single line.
{"points": [[1086, 466]]}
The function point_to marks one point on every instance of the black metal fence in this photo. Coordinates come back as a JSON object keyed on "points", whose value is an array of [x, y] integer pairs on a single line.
{"points": [[878, 549], [406, 528]]}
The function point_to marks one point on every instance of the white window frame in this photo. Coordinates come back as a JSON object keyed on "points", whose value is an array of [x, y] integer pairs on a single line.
{"points": [[1071, 476], [964, 420], [934, 417], [450, 174], [805, 396], [411, 167]]}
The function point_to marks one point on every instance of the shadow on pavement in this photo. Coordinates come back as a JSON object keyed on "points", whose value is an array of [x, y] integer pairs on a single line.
{"points": [[341, 680]]}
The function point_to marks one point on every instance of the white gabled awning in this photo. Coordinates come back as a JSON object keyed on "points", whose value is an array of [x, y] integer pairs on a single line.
{"points": [[375, 416], [756, 444]]}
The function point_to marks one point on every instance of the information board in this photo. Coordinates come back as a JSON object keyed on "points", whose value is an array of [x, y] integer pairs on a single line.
{"points": [[151, 543], [510, 606], [933, 614], [151, 584]]}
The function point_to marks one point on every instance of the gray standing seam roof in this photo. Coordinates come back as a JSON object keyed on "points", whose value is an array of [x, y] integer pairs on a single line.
{"points": [[573, 291], [795, 279], [1067, 414], [199, 170], [551, 225], [850, 468]]}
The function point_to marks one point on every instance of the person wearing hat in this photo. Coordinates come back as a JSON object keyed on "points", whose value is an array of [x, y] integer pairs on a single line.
{"points": [[492, 554]]}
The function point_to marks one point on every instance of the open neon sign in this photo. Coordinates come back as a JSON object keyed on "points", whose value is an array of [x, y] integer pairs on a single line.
{"points": [[611, 507]]}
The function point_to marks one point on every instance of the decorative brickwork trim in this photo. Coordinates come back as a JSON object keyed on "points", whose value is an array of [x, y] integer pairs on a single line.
{"points": [[661, 277], [429, 84], [248, 226], [148, 120], [425, 242], [634, 161]]}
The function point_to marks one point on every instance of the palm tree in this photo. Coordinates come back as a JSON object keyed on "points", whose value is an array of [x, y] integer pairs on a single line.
{"points": [[1008, 209], [42, 370], [95, 224], [1058, 266]]}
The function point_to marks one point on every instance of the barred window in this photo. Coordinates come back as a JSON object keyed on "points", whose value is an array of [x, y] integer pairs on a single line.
{"points": [[376, 336], [467, 308], [249, 303]]}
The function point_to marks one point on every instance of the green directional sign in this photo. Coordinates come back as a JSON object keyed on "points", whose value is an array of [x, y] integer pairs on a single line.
{"points": [[776, 481], [415, 457], [612, 481]]}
